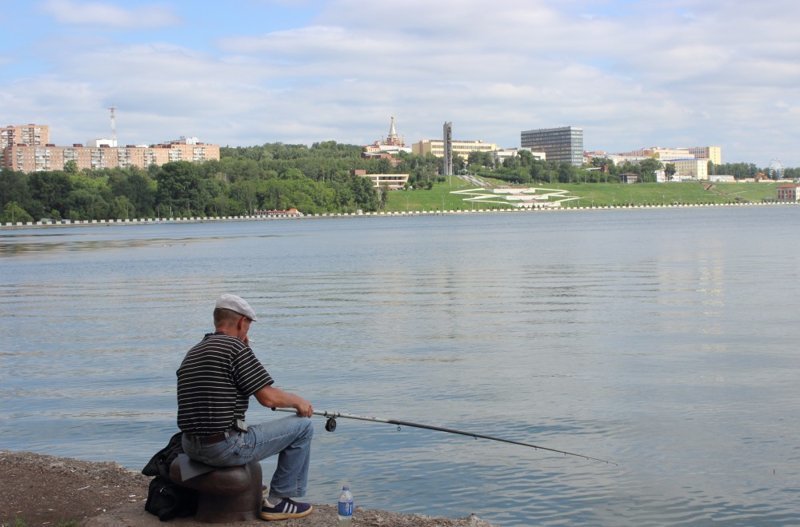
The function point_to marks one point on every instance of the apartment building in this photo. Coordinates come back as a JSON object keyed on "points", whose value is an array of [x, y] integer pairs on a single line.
{"points": [[709, 153], [36, 158], [27, 134], [564, 144], [662, 154], [691, 168]]}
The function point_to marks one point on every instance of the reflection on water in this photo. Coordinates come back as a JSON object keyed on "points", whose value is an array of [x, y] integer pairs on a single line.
{"points": [[629, 335], [83, 239]]}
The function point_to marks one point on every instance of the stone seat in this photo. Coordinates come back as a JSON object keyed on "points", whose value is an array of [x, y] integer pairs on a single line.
{"points": [[229, 494]]}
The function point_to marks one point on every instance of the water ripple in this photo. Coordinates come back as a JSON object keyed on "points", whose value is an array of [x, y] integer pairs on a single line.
{"points": [[633, 336]]}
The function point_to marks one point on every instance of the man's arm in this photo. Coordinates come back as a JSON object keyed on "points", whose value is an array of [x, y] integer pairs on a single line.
{"points": [[273, 397]]}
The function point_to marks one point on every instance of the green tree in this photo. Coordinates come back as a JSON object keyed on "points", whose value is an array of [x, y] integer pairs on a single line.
{"points": [[51, 189], [138, 187], [246, 193], [511, 162], [669, 170], [738, 170], [364, 194], [71, 167], [14, 187], [566, 173], [647, 170], [86, 204], [384, 167], [459, 163], [525, 157], [13, 212], [384, 196], [122, 208], [178, 190], [481, 159]]}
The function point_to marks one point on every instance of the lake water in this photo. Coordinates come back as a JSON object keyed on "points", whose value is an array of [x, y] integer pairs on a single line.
{"points": [[665, 340]]}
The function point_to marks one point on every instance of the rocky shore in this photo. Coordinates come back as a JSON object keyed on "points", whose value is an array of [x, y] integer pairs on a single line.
{"points": [[40, 490]]}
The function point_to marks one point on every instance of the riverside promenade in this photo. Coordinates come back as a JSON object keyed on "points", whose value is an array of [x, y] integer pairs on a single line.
{"points": [[432, 212]]}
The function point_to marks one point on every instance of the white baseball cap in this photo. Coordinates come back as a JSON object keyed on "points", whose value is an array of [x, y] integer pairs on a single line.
{"points": [[237, 305]]}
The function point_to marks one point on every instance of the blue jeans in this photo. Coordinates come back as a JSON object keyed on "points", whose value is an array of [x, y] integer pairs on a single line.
{"points": [[289, 437]]}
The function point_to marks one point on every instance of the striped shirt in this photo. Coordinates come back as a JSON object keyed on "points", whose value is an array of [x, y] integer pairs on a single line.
{"points": [[215, 382]]}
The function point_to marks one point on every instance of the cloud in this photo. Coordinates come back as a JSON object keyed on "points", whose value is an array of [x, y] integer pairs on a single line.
{"points": [[632, 74], [105, 14]]}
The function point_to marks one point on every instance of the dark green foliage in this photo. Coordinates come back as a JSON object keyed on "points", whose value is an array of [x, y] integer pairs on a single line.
{"points": [[270, 177]]}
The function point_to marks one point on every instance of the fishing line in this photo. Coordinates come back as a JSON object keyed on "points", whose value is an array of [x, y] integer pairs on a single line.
{"points": [[330, 426]]}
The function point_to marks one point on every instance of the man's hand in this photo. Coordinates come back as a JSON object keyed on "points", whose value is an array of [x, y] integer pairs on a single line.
{"points": [[304, 408]]}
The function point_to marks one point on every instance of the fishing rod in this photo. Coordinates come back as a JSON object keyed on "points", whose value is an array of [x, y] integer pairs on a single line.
{"points": [[330, 426]]}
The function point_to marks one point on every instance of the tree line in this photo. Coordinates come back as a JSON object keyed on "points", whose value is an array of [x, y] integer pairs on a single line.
{"points": [[525, 169], [271, 177], [275, 176]]}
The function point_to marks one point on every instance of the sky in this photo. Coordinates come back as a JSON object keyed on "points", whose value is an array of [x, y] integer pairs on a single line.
{"points": [[631, 73]]}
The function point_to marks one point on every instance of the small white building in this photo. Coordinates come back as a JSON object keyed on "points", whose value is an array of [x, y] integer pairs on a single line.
{"points": [[501, 154], [98, 143], [389, 181], [721, 178]]}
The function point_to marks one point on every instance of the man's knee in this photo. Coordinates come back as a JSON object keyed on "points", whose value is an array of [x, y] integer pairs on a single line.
{"points": [[307, 429]]}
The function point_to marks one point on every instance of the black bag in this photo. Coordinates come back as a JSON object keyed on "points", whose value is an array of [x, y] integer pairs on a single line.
{"points": [[165, 498], [159, 463]]}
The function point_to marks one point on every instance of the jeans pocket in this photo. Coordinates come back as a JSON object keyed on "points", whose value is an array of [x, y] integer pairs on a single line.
{"points": [[219, 454]]}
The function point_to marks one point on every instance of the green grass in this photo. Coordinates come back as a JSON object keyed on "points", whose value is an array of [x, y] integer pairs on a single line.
{"points": [[604, 194], [438, 198], [591, 194]]}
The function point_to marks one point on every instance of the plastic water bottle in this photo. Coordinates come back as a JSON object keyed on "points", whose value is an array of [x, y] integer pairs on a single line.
{"points": [[345, 507]]}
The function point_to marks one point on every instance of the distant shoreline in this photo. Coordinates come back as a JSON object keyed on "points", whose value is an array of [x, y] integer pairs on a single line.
{"points": [[207, 219]]}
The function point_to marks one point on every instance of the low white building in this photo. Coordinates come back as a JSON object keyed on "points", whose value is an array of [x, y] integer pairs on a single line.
{"points": [[721, 179], [389, 181], [501, 154]]}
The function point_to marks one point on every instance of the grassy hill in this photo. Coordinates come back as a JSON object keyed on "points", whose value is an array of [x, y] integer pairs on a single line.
{"points": [[589, 194]]}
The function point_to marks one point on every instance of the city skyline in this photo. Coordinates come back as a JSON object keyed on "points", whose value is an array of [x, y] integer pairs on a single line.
{"points": [[631, 74]]}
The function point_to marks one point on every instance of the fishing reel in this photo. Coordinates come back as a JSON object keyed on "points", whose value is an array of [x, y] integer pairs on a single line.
{"points": [[330, 424]]}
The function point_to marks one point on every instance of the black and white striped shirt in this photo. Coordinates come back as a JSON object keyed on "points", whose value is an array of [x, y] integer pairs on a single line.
{"points": [[215, 382]]}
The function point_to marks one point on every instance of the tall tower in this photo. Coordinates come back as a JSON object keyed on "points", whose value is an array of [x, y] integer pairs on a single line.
{"points": [[392, 138], [448, 148], [113, 111]]}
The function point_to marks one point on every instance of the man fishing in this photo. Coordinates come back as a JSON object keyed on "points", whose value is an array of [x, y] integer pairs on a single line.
{"points": [[215, 382]]}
